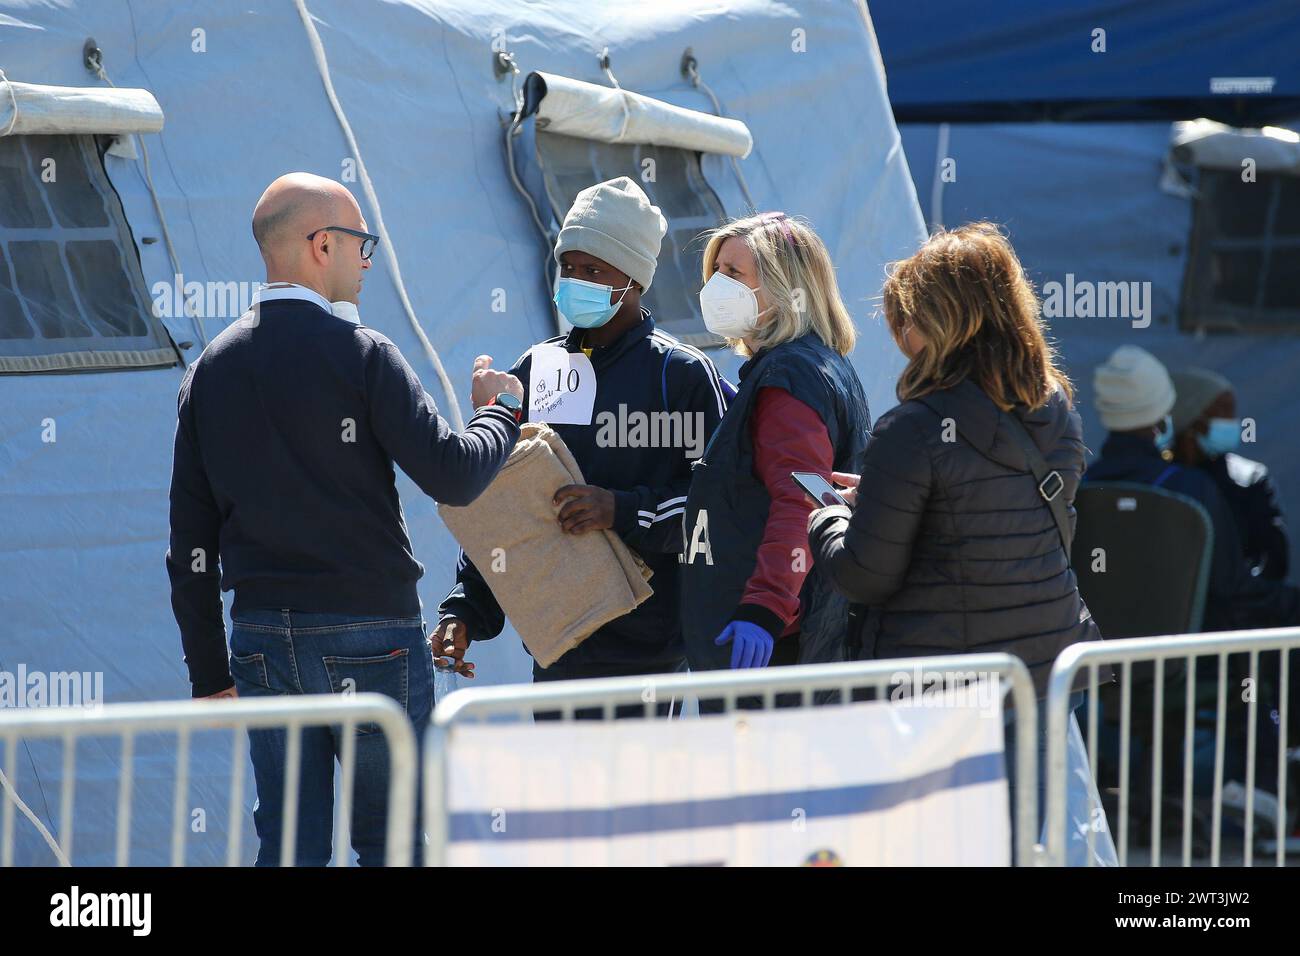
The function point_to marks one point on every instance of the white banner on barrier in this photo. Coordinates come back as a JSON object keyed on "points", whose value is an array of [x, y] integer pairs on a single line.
{"points": [[919, 782]]}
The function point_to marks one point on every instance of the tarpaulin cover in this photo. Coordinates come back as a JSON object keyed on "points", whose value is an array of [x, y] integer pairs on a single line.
{"points": [[70, 109], [588, 110]]}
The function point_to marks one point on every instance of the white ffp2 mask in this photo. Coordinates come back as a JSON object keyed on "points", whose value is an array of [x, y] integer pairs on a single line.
{"points": [[729, 307]]}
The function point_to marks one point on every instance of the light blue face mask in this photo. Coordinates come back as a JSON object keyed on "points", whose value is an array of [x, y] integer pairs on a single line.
{"points": [[1165, 437], [586, 304], [1224, 435]]}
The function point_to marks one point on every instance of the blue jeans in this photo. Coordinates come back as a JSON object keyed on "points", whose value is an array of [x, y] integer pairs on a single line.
{"points": [[292, 652]]}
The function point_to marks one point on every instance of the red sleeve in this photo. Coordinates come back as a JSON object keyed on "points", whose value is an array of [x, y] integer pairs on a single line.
{"points": [[788, 436]]}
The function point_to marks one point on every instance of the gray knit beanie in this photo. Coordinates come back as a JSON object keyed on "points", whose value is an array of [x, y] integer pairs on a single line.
{"points": [[1197, 388], [1132, 389], [614, 221]]}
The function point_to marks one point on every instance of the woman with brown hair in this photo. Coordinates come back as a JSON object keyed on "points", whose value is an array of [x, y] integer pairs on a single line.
{"points": [[950, 539], [954, 543]]}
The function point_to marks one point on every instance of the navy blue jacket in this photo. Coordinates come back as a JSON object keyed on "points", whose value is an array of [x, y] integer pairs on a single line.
{"points": [[1235, 598], [645, 371], [728, 506], [287, 429], [1248, 489]]}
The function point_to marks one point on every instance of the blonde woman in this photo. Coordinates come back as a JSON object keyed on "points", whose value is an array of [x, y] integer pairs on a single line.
{"points": [[750, 594], [953, 543]]}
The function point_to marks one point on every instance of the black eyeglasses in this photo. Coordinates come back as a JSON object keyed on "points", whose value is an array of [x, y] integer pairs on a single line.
{"points": [[368, 242]]}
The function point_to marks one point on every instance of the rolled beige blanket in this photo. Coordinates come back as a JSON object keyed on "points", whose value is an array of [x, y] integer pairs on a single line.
{"points": [[557, 589]]}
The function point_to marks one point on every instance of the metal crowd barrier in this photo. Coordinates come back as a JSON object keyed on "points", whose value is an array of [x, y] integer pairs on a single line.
{"points": [[183, 718], [607, 694], [1158, 650]]}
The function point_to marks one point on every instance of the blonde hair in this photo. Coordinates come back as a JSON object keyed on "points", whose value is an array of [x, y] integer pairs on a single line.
{"points": [[966, 295], [797, 279]]}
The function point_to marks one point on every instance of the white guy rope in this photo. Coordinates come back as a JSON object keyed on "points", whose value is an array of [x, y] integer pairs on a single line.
{"points": [[322, 67]]}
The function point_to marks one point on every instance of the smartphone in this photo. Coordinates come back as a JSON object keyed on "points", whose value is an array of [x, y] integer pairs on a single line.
{"points": [[817, 487]]}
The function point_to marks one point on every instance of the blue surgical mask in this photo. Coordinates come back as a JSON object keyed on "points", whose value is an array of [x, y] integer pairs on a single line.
{"points": [[1165, 437], [586, 304], [1223, 436]]}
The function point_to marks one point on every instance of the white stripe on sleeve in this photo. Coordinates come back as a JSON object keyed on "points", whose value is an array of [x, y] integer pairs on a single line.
{"points": [[710, 370]]}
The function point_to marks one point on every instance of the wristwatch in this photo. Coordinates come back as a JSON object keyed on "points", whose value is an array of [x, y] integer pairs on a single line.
{"points": [[509, 403]]}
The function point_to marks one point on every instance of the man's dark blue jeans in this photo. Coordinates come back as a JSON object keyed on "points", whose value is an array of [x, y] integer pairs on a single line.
{"points": [[292, 652]]}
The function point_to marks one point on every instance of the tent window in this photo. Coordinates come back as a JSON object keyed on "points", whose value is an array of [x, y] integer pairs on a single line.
{"points": [[1243, 271], [570, 164], [71, 292]]}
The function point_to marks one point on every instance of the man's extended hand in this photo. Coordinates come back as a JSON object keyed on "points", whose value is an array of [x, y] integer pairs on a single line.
{"points": [[487, 383], [450, 639], [584, 508]]}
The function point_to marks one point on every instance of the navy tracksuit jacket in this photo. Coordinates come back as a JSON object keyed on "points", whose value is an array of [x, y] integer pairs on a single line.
{"points": [[645, 371]]}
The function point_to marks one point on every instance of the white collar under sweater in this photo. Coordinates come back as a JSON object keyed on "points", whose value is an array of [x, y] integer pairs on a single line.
{"points": [[291, 290]]}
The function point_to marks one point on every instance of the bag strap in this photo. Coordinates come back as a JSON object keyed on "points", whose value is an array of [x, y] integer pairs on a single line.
{"points": [[1050, 482]]}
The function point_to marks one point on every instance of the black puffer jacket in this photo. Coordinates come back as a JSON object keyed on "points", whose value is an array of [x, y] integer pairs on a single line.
{"points": [[950, 544]]}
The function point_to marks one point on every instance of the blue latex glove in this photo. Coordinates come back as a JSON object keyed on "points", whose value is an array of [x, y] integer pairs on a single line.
{"points": [[751, 646]]}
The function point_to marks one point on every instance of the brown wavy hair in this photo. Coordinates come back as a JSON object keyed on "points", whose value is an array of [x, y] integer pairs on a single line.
{"points": [[969, 300]]}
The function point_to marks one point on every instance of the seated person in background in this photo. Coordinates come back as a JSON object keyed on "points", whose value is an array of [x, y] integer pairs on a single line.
{"points": [[1135, 397], [1206, 432]]}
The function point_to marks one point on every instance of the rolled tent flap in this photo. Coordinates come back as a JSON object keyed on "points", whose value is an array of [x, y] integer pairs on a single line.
{"points": [[1212, 145], [609, 115], [70, 110]]}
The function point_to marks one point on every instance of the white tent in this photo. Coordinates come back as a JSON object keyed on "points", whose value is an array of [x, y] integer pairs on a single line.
{"points": [[85, 455]]}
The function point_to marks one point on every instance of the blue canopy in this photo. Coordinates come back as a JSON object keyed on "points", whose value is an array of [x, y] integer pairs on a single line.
{"points": [[1230, 60]]}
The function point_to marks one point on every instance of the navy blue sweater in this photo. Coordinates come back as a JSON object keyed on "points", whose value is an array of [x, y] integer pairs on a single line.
{"points": [[644, 372], [288, 428]]}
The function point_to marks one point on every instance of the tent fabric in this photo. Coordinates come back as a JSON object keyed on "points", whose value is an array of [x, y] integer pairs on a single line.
{"points": [[72, 109], [610, 115], [84, 517], [1212, 145], [1080, 198], [950, 60], [75, 361]]}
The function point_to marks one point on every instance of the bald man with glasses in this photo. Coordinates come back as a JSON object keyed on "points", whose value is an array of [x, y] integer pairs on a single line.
{"points": [[289, 427]]}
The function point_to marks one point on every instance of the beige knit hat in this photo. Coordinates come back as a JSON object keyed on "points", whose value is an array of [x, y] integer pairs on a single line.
{"points": [[1132, 389], [615, 221]]}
